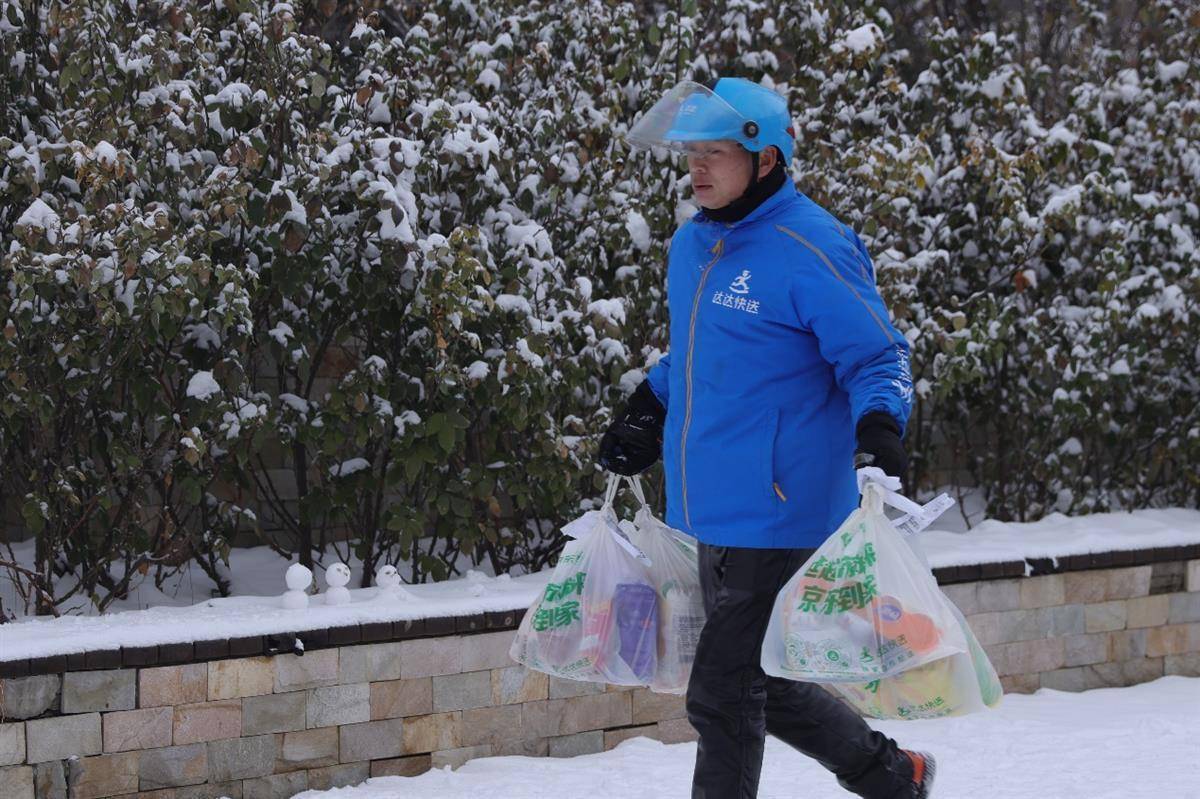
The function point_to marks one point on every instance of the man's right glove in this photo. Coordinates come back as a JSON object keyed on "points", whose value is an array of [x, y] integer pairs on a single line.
{"points": [[879, 444], [633, 441]]}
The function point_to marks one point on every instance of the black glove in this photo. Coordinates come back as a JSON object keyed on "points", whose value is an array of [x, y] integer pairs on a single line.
{"points": [[879, 444], [633, 441]]}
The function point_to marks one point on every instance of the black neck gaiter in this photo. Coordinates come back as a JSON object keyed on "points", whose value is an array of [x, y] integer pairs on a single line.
{"points": [[756, 193]]}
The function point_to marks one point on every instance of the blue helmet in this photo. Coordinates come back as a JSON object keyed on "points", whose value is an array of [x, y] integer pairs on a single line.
{"points": [[734, 108]]}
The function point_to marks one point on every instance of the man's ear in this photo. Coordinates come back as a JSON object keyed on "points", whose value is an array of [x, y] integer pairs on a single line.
{"points": [[766, 161]]}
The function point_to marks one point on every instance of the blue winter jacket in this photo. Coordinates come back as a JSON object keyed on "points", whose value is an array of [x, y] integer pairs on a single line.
{"points": [[780, 343]]}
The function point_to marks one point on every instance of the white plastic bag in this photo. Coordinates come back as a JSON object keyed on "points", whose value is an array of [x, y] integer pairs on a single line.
{"points": [[952, 686], [863, 607], [675, 572], [597, 619]]}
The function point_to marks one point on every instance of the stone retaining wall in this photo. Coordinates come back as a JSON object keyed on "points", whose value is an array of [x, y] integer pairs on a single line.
{"points": [[272, 725]]}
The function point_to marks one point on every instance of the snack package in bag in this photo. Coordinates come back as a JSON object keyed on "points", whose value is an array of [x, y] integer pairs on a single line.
{"points": [[597, 619], [863, 607], [953, 686], [675, 572]]}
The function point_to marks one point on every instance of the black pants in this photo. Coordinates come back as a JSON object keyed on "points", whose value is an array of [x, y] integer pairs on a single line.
{"points": [[732, 703]]}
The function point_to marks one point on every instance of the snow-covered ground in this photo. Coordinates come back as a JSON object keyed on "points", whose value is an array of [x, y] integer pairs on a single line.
{"points": [[184, 609], [1110, 743]]}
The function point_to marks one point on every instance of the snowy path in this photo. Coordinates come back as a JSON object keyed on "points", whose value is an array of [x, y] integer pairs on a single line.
{"points": [[1141, 742]]}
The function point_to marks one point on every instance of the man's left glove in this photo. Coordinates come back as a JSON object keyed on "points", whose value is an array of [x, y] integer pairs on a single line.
{"points": [[633, 441], [879, 444]]}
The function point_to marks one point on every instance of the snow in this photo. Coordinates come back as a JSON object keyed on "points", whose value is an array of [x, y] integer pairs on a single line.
{"points": [[202, 386], [259, 571], [349, 467], [862, 39], [40, 215], [1109, 743], [639, 230]]}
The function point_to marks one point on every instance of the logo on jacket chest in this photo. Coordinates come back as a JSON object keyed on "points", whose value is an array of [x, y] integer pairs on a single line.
{"points": [[735, 297]]}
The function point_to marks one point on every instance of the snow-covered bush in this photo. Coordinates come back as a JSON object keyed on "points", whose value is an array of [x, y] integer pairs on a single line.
{"points": [[375, 275]]}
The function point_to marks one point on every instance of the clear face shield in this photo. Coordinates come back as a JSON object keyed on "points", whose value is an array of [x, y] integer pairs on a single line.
{"points": [[687, 119]]}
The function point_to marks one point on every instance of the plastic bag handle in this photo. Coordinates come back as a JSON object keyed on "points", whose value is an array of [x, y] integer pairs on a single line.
{"points": [[875, 496]]}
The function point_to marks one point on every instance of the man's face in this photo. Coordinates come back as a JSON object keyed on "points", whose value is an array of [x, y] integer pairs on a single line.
{"points": [[720, 171]]}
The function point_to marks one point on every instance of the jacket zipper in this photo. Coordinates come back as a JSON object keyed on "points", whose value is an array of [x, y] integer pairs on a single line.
{"points": [[717, 249]]}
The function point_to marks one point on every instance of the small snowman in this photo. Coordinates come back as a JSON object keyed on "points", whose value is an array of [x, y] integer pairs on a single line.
{"points": [[336, 577], [475, 583], [388, 581], [298, 579]]}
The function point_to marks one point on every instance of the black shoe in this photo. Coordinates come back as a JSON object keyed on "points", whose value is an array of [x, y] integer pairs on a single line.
{"points": [[924, 769]]}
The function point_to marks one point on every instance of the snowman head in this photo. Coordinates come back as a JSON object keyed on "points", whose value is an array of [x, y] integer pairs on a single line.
{"points": [[337, 575], [298, 577], [387, 576]]}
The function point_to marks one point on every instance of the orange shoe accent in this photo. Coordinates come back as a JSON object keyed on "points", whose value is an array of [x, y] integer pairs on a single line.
{"points": [[918, 762]]}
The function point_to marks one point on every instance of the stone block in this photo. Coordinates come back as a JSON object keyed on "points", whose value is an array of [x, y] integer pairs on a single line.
{"points": [[491, 725], [965, 597], [90, 691], [430, 657], [369, 663], [216, 790], [233, 679], [1128, 583], [106, 775], [372, 740], [1173, 639], [676, 731], [276, 786], [1028, 657], [1020, 683], [1072, 679], [302, 672], [1126, 645], [517, 684], [456, 757], [1168, 577], [173, 766], [986, 626], [12, 743], [1147, 611], [1017, 625], [29, 697], [127, 730], [649, 706], [1193, 576], [522, 747], [398, 698], [432, 733], [1129, 672], [307, 749], [241, 758], [1104, 617], [339, 704], [173, 685], [555, 717], [998, 595], [1042, 592], [462, 691], [208, 721], [341, 776], [487, 650], [1082, 650], [275, 713], [613, 738], [1085, 587], [565, 689], [1184, 608], [1063, 620], [50, 780], [161, 793], [401, 766], [1186, 665], [581, 743], [60, 737], [16, 782]]}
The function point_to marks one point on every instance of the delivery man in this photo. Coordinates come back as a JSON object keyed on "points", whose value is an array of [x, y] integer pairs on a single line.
{"points": [[784, 375]]}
